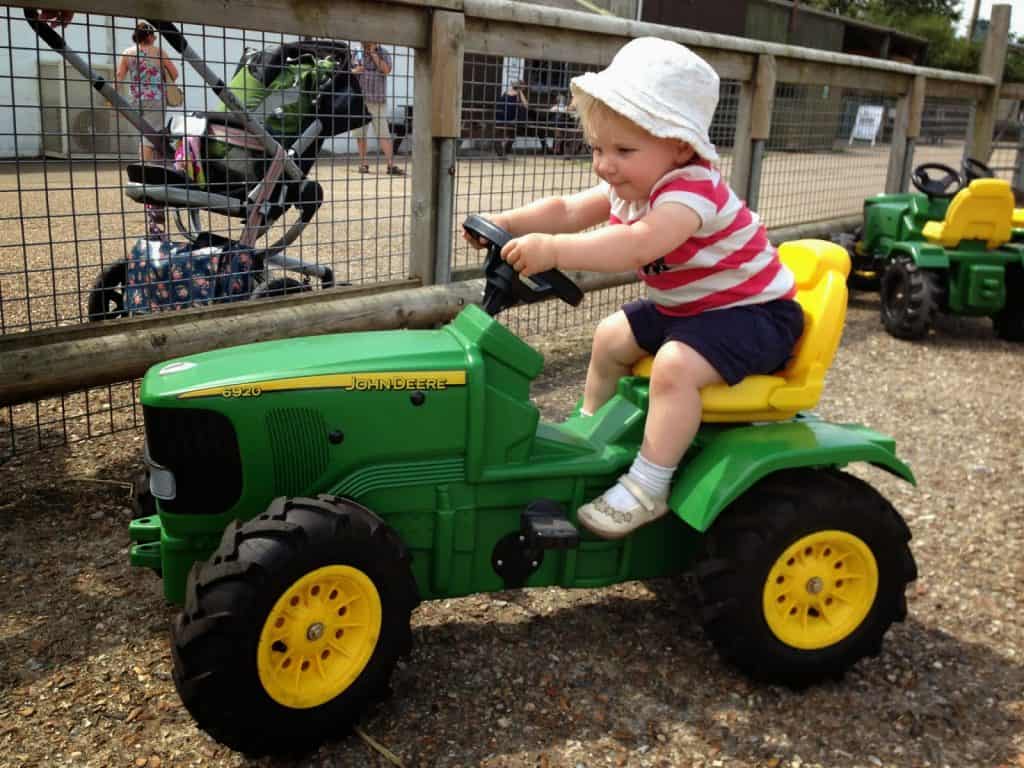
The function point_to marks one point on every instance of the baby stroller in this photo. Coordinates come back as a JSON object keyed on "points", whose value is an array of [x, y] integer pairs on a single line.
{"points": [[248, 159]]}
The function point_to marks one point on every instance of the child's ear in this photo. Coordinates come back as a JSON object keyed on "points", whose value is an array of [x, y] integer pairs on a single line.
{"points": [[684, 153]]}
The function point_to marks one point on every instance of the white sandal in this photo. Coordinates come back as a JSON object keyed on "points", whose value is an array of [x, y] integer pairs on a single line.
{"points": [[601, 518]]}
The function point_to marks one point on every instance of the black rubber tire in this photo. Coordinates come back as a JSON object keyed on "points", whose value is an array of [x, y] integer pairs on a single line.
{"points": [[106, 297], [1008, 323], [911, 297], [283, 286], [867, 281], [747, 539], [228, 599]]}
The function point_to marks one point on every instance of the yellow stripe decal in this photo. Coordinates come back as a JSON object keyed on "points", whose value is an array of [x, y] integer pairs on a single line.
{"points": [[352, 382]]}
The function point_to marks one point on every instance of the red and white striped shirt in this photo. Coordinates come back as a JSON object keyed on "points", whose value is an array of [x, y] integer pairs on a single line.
{"points": [[728, 262]]}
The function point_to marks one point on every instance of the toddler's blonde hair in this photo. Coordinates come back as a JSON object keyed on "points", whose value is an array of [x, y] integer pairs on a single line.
{"points": [[594, 112]]}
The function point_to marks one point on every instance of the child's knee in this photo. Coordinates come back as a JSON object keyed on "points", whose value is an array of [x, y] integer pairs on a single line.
{"points": [[678, 368]]}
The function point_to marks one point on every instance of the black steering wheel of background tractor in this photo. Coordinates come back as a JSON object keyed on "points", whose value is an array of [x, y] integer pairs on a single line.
{"points": [[946, 186], [975, 169], [504, 286]]}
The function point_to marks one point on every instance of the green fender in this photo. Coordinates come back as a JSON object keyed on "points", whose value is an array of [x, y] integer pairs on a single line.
{"points": [[732, 460], [925, 255]]}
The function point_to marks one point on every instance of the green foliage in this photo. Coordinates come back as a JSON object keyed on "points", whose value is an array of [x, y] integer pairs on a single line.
{"points": [[871, 10], [1014, 72]]}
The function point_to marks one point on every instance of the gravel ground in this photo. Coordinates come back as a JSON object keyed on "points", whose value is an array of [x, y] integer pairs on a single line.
{"points": [[546, 678]]}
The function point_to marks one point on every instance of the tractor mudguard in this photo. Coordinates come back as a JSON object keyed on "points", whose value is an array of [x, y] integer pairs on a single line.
{"points": [[732, 460], [925, 255]]}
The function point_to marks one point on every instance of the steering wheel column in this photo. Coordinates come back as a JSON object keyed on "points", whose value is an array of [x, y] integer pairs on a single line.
{"points": [[504, 287]]}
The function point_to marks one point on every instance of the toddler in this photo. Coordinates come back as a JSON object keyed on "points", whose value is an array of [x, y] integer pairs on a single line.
{"points": [[720, 303]]}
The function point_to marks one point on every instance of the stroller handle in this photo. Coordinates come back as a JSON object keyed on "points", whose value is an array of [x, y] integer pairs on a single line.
{"points": [[49, 35]]}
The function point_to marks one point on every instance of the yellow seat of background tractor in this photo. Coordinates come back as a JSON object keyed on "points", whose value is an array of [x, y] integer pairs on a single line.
{"points": [[820, 269], [983, 211]]}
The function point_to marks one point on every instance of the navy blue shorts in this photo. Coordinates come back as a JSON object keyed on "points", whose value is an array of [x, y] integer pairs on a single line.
{"points": [[737, 342]]}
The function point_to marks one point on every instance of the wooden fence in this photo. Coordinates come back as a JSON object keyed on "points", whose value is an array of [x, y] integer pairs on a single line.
{"points": [[442, 32]]}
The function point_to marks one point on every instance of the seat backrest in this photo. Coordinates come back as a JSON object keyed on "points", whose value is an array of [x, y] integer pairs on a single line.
{"points": [[982, 211], [820, 269]]}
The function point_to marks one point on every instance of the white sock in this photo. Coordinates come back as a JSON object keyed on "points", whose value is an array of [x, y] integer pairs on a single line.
{"points": [[585, 412], [653, 478]]}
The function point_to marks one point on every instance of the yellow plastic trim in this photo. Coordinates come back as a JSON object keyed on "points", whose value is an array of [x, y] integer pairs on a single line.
{"points": [[1018, 217], [319, 636], [820, 590], [982, 211], [820, 269]]}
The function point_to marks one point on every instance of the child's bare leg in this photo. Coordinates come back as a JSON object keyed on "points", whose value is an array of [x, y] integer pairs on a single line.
{"points": [[673, 418], [612, 356], [639, 497]]}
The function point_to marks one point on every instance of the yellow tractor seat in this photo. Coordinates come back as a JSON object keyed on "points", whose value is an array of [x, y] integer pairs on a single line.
{"points": [[982, 211], [1018, 218], [820, 269]]}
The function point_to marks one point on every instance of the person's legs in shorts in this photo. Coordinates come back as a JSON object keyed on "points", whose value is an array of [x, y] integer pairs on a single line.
{"points": [[150, 152], [383, 134]]}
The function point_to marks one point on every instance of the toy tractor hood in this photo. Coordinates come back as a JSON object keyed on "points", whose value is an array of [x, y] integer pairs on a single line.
{"points": [[414, 359]]}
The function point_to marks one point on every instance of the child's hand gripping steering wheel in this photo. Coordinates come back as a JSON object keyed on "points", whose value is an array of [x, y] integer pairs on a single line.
{"points": [[504, 286]]}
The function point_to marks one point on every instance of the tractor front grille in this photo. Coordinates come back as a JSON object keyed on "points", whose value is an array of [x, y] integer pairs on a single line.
{"points": [[201, 449]]}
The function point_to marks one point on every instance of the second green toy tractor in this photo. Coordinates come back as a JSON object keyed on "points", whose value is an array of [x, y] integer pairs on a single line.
{"points": [[947, 248], [312, 491]]}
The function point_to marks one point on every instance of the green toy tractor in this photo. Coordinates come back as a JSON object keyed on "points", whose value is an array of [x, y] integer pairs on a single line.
{"points": [[311, 492], [949, 247]]}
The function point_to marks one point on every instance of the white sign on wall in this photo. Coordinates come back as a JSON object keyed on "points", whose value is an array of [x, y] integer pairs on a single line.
{"points": [[869, 120]]}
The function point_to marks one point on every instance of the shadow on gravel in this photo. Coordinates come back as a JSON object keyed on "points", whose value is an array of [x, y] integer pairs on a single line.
{"points": [[637, 672], [59, 612]]}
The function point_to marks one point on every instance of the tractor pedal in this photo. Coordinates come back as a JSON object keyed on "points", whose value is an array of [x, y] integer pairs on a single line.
{"points": [[545, 526]]}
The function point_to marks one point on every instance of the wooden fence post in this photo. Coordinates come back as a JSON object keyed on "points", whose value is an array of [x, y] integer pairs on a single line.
{"points": [[753, 127], [993, 61], [906, 129], [437, 114]]}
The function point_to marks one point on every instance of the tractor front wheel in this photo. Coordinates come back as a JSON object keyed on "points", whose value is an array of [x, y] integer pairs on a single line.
{"points": [[803, 575], [291, 630], [910, 299]]}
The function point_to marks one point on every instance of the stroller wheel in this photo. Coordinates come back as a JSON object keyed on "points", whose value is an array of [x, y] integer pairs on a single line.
{"points": [[106, 298], [280, 287]]}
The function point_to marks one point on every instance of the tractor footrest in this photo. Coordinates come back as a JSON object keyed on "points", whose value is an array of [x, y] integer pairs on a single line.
{"points": [[545, 526]]}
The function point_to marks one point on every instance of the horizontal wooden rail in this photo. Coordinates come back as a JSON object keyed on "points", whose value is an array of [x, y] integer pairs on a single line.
{"points": [[58, 360]]}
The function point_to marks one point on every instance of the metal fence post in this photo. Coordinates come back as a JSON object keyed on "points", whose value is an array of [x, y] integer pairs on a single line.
{"points": [[437, 109], [447, 42], [753, 127], [993, 61]]}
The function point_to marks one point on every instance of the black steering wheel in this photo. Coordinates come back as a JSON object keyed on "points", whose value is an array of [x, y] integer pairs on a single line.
{"points": [[948, 185], [504, 286], [975, 169]]}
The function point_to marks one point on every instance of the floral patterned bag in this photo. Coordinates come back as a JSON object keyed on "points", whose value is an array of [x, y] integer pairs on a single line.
{"points": [[164, 276]]}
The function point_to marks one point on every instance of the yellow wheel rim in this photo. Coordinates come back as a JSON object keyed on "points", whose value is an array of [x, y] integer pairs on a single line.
{"points": [[319, 636], [820, 590]]}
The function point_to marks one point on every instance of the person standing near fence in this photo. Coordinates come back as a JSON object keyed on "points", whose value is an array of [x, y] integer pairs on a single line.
{"points": [[373, 69], [145, 66]]}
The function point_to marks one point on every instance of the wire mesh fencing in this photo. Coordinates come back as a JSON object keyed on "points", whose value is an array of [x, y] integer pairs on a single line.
{"points": [[102, 216], [87, 193], [829, 149]]}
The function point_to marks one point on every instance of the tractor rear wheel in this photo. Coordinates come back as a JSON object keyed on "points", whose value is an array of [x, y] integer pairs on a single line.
{"points": [[1009, 321], [910, 298], [802, 576], [291, 630]]}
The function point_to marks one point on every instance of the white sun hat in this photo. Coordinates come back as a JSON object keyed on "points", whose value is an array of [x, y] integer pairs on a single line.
{"points": [[663, 87]]}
